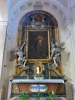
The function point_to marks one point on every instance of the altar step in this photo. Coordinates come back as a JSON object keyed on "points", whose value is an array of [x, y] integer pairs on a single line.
{"points": [[42, 98]]}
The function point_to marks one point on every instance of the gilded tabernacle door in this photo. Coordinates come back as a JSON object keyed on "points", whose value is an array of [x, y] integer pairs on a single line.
{"points": [[38, 45]]}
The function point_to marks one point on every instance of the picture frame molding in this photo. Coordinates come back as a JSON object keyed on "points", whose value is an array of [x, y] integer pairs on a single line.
{"points": [[46, 60]]}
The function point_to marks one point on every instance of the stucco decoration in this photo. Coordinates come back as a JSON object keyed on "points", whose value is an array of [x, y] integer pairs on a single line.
{"points": [[38, 5], [22, 7], [60, 12], [68, 29], [47, 3], [29, 4], [54, 7]]}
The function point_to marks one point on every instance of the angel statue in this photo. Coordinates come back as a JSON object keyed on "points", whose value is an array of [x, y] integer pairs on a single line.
{"points": [[56, 59], [56, 49], [21, 56], [22, 62], [20, 53]]}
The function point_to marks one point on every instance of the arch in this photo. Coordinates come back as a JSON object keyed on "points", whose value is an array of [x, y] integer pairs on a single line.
{"points": [[30, 14], [16, 20], [25, 2], [22, 32], [39, 11], [16, 13]]}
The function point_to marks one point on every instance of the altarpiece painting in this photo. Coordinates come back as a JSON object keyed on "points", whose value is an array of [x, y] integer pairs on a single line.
{"points": [[38, 45]]}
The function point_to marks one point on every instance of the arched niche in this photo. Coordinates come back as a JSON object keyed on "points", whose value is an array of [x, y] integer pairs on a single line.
{"points": [[50, 23], [28, 17]]}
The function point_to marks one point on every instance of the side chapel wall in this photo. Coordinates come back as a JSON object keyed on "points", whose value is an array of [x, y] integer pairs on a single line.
{"points": [[56, 11]]}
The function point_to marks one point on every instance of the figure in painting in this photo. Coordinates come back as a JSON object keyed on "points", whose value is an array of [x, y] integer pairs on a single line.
{"points": [[41, 48], [38, 45]]}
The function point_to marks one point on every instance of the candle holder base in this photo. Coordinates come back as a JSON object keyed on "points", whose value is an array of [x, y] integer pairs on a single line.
{"points": [[35, 77]]}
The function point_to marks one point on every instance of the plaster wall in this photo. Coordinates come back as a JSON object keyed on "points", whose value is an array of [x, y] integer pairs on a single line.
{"points": [[72, 10], [64, 34], [17, 12], [13, 2], [3, 25], [3, 70]]}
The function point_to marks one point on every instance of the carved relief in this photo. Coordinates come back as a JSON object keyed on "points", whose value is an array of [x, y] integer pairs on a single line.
{"points": [[16, 12], [46, 3], [22, 7], [68, 29], [60, 12], [38, 5], [54, 7], [29, 4]]}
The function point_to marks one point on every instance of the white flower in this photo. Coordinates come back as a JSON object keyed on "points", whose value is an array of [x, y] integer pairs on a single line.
{"points": [[53, 92]]}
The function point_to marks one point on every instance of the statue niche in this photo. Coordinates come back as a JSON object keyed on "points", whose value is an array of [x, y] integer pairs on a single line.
{"points": [[41, 24]]}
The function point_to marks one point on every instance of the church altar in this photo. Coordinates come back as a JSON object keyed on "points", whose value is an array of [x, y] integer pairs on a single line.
{"points": [[38, 57], [43, 86]]}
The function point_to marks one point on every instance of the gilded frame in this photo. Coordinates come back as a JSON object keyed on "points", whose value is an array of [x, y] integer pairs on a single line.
{"points": [[32, 54]]}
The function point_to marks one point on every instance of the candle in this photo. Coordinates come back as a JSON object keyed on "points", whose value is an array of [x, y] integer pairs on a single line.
{"points": [[38, 70]]}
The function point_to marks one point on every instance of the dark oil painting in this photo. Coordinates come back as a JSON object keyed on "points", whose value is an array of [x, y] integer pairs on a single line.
{"points": [[38, 44]]}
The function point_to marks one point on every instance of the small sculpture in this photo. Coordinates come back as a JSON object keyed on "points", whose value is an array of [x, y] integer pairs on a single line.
{"points": [[56, 59], [56, 49], [21, 56], [22, 62]]}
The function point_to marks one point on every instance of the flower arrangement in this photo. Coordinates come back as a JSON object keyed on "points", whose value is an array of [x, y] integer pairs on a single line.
{"points": [[51, 96], [38, 76], [24, 96], [37, 96]]}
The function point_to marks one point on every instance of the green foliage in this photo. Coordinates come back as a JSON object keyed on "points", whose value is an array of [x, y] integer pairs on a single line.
{"points": [[37, 96], [51, 96], [40, 75], [24, 96]]}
